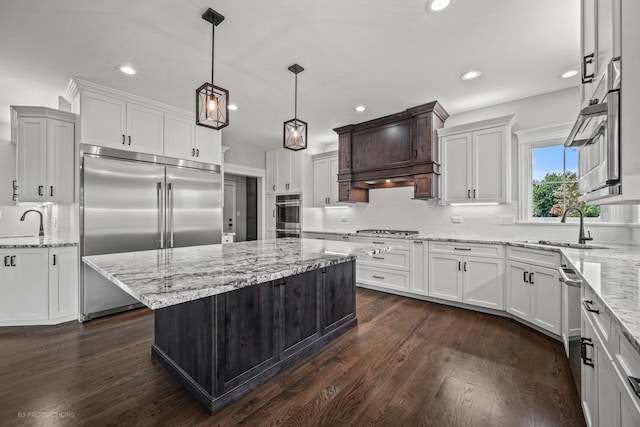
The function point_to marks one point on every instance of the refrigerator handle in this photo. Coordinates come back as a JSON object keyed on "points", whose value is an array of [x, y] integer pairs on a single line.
{"points": [[160, 215], [170, 213]]}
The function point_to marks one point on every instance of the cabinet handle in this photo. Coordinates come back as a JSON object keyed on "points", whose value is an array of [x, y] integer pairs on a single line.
{"points": [[587, 306], [55, 259], [584, 342], [274, 187], [474, 194], [13, 260], [524, 277], [377, 243], [586, 60], [129, 140], [635, 384], [531, 278], [378, 277], [123, 139], [377, 257], [319, 238], [468, 194], [15, 190], [417, 242], [415, 154], [6, 261], [193, 152], [274, 213], [197, 152], [459, 266], [40, 189], [51, 190], [344, 237], [465, 266], [287, 186], [462, 249]]}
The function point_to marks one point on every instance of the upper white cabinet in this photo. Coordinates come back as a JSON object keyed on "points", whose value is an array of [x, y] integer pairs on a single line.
{"points": [[289, 172], [116, 119], [476, 162], [45, 156], [325, 180]]}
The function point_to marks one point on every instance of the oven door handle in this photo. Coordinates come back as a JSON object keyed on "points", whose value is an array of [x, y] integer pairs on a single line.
{"points": [[613, 137], [287, 203]]}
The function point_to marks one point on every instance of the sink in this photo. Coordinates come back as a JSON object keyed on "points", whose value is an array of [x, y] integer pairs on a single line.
{"points": [[564, 244]]}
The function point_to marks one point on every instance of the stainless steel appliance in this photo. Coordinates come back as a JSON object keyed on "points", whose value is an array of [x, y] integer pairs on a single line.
{"points": [[135, 202], [288, 215], [597, 134], [571, 319], [390, 233]]}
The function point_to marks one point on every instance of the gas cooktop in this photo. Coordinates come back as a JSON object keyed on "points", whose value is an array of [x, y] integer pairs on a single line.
{"points": [[388, 232]]}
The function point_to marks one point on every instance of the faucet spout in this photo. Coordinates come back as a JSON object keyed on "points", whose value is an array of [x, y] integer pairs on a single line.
{"points": [[41, 233], [581, 237]]}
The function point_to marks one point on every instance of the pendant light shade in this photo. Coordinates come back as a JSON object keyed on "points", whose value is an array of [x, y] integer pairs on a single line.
{"points": [[295, 130], [212, 102]]}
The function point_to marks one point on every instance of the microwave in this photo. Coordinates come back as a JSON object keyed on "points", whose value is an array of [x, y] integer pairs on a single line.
{"points": [[596, 133]]}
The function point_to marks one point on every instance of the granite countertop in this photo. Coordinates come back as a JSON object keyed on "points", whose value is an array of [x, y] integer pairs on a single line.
{"points": [[35, 242], [165, 277]]}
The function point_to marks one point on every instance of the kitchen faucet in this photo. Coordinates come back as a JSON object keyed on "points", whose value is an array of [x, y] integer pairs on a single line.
{"points": [[41, 234], [581, 237]]}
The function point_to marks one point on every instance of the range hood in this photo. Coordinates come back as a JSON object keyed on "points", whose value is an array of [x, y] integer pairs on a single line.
{"points": [[392, 151]]}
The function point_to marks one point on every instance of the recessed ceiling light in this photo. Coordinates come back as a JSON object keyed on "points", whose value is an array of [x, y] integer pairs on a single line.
{"points": [[233, 107], [360, 108], [569, 73], [437, 5], [127, 70], [470, 75]]}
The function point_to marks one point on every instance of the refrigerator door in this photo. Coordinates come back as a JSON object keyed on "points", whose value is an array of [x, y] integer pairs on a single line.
{"points": [[122, 212], [194, 207]]}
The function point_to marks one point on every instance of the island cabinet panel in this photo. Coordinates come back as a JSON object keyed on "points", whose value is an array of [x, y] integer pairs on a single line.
{"points": [[246, 334], [299, 313], [339, 302]]}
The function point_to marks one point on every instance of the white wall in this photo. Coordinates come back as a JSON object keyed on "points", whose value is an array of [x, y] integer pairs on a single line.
{"points": [[243, 153]]}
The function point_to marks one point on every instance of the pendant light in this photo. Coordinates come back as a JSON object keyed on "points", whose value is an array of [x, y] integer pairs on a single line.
{"points": [[212, 102], [295, 130]]}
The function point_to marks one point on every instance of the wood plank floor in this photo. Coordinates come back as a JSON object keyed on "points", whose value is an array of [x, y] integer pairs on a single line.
{"points": [[408, 363]]}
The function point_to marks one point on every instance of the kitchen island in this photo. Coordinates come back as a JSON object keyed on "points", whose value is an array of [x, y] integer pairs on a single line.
{"points": [[228, 318]]}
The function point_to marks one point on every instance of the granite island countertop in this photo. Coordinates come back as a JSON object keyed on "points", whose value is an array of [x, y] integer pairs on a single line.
{"points": [[14, 242], [165, 277]]}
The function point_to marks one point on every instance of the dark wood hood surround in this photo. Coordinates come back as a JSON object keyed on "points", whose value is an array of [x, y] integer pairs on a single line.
{"points": [[392, 151]]}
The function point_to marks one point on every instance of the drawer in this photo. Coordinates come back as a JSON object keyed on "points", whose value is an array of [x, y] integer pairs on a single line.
{"points": [[627, 364], [393, 259], [597, 315], [534, 256], [626, 357], [475, 249], [382, 278], [398, 244]]}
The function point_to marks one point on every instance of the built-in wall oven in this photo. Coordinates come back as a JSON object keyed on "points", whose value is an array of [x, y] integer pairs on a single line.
{"points": [[597, 134], [288, 215]]}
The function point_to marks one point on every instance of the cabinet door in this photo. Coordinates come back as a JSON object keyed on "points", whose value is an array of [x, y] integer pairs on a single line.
{"points": [[7, 286], [179, 137], [333, 180], [419, 268], [60, 161], [445, 277], [456, 168], [246, 321], [63, 282], [294, 181], [489, 166], [344, 153], [208, 145], [271, 213], [607, 24], [629, 406], [518, 290], [299, 311], [321, 172], [425, 186], [283, 171], [589, 47], [423, 139], [272, 171], [32, 164], [608, 406], [31, 285], [546, 304], [338, 295], [588, 375], [103, 120], [483, 283], [145, 129]]}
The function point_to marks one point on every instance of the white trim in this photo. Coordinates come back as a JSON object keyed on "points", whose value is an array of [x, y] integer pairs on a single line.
{"points": [[325, 155], [262, 190], [475, 126], [244, 170], [545, 133]]}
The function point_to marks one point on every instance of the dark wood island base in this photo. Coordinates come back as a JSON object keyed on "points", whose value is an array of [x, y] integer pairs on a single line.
{"points": [[222, 347]]}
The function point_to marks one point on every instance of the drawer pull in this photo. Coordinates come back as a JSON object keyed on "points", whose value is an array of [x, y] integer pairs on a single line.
{"points": [[531, 278], [584, 342], [378, 243], [635, 384], [524, 277], [587, 306], [418, 242], [6, 261], [378, 277], [377, 257], [462, 249]]}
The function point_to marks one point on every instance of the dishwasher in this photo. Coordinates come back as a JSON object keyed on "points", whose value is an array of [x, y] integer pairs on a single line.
{"points": [[571, 316]]}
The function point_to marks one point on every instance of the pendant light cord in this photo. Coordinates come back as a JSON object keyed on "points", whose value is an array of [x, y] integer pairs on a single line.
{"points": [[213, 38], [295, 102]]}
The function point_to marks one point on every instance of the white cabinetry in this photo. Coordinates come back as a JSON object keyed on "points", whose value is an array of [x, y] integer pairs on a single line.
{"points": [[420, 267], [388, 270], [476, 162], [179, 137], [271, 216], [289, 172], [45, 157], [327, 236], [34, 290], [475, 278], [533, 290], [325, 180]]}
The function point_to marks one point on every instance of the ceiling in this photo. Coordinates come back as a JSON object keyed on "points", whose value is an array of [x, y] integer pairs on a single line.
{"points": [[385, 54]]}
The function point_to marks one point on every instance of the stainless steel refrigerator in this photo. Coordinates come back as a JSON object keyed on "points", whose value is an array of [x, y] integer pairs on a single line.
{"points": [[135, 202]]}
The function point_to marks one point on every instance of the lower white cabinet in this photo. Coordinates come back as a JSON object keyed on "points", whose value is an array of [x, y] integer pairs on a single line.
{"points": [[271, 215], [534, 294], [34, 290], [388, 270], [419, 267], [445, 276]]}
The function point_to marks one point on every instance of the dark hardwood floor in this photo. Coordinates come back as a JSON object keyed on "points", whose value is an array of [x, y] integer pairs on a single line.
{"points": [[408, 363]]}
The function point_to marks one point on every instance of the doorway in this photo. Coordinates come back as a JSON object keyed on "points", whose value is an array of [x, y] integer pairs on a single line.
{"points": [[229, 212]]}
